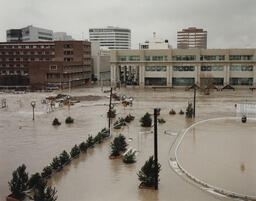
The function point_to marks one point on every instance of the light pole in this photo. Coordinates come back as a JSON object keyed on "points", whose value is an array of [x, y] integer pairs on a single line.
{"points": [[68, 97], [110, 107], [33, 104], [156, 112], [194, 111]]}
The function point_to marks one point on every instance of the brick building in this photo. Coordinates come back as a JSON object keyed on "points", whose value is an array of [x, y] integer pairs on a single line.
{"points": [[45, 64], [192, 38]]}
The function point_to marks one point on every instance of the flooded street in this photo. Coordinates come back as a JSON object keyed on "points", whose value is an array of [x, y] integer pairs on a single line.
{"points": [[220, 152]]}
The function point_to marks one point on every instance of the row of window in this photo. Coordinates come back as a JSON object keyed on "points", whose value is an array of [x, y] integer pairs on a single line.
{"points": [[156, 68], [203, 68], [192, 58], [28, 53], [191, 81], [25, 46], [13, 72], [26, 59], [13, 65]]}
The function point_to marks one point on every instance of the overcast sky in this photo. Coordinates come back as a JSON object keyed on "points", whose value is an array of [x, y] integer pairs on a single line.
{"points": [[230, 23]]}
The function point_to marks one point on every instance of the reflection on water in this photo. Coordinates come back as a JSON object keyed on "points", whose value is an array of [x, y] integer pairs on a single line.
{"points": [[93, 176]]}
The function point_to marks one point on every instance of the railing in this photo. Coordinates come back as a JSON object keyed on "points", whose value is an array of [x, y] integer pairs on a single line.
{"points": [[205, 186]]}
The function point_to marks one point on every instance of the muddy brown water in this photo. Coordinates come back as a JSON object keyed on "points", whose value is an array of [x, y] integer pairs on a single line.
{"points": [[220, 153]]}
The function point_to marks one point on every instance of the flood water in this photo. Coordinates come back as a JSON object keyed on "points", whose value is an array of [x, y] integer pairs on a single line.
{"points": [[220, 153]]}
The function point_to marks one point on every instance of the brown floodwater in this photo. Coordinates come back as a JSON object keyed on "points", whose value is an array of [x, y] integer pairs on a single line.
{"points": [[221, 153]]}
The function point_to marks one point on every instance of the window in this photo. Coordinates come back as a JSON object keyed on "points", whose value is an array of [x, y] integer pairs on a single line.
{"points": [[212, 57], [53, 67], [183, 68], [241, 81], [184, 58], [212, 68], [183, 81], [67, 46], [68, 59], [155, 58], [128, 58], [68, 52], [156, 68], [241, 68], [241, 57]]}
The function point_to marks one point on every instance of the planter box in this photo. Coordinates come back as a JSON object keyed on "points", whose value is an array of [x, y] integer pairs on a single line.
{"points": [[141, 186], [11, 199], [114, 157]]}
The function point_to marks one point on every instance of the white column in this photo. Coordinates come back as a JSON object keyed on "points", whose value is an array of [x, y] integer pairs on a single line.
{"points": [[169, 76], [254, 76], [142, 75], [113, 75], [197, 74], [226, 75]]}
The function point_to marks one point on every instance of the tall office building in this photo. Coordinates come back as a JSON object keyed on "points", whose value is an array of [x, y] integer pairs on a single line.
{"points": [[111, 37], [29, 34], [61, 36], [192, 38]]}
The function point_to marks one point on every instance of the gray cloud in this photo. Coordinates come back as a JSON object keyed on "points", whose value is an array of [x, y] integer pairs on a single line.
{"points": [[230, 23]]}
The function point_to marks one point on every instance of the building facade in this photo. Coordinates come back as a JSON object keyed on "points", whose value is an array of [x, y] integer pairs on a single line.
{"points": [[111, 37], [192, 38], [155, 44], [29, 34], [183, 68], [45, 64]]}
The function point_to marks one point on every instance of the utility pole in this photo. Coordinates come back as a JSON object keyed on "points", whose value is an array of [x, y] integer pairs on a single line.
{"points": [[109, 109], [194, 111], [156, 111]]}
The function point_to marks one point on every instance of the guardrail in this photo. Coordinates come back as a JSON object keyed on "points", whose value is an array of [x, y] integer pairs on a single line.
{"points": [[205, 186]]}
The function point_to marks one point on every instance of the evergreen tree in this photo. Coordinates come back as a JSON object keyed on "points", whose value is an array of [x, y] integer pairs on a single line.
{"points": [[64, 158], [19, 182], [146, 120], [129, 157], [47, 171], [90, 141], [189, 111], [44, 192], [75, 151], [147, 173], [83, 147], [118, 144], [56, 164], [33, 180]]}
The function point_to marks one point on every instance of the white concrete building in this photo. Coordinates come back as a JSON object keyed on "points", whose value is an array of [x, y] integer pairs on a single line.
{"points": [[29, 34], [111, 37], [184, 67], [101, 62], [155, 44], [61, 36]]}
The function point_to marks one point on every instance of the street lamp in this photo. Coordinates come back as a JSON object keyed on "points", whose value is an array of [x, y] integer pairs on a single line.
{"points": [[33, 104], [156, 112], [68, 97], [131, 99]]}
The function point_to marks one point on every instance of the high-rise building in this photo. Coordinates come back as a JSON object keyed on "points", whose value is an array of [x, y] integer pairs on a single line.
{"points": [[111, 37], [192, 38], [29, 34], [61, 36]]}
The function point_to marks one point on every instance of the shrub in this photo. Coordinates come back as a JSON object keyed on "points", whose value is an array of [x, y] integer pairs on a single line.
{"points": [[69, 120], [105, 132], [56, 164], [172, 111], [34, 180], [181, 112], [189, 111], [64, 158], [90, 141], [83, 147], [47, 171], [75, 151], [56, 122], [98, 138], [146, 120], [19, 182], [129, 157], [161, 121], [147, 173]]}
